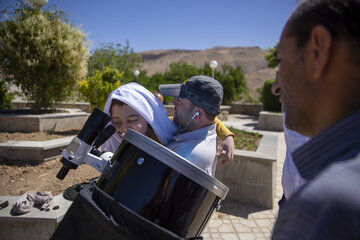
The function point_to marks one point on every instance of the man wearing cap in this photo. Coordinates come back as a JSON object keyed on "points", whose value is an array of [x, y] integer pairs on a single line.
{"points": [[197, 102]]}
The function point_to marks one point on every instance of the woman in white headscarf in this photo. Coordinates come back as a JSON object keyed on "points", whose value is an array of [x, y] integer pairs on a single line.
{"points": [[133, 106]]}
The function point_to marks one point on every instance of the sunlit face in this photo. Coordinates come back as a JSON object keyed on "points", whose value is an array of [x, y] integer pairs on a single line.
{"points": [[292, 84], [124, 117], [184, 111]]}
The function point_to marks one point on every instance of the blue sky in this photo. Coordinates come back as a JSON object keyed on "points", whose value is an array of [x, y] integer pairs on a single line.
{"points": [[178, 24]]}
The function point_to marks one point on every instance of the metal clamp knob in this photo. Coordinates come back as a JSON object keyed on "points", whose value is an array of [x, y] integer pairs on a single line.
{"points": [[140, 161]]}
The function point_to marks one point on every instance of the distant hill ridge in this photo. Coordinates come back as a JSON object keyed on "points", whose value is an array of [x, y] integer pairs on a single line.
{"points": [[251, 59]]}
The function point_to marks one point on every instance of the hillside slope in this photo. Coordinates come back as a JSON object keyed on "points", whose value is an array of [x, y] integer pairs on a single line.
{"points": [[251, 59]]}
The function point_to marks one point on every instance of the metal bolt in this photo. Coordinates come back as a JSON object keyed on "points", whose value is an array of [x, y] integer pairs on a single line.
{"points": [[140, 160]]}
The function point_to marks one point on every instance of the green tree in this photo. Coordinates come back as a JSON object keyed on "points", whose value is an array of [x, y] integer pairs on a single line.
{"points": [[178, 72], [5, 97], [233, 81], [234, 84], [231, 78], [269, 100], [155, 80], [271, 58], [123, 58], [97, 88], [41, 53]]}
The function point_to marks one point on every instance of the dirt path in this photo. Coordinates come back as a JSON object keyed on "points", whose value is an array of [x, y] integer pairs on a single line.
{"points": [[16, 178]]}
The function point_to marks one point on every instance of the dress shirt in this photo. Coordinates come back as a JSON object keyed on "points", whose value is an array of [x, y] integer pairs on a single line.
{"points": [[291, 179], [328, 205]]}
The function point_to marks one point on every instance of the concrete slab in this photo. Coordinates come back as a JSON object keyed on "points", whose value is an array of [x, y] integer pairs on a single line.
{"points": [[36, 224], [84, 106], [270, 121], [251, 176], [246, 108], [37, 151], [72, 119], [268, 145]]}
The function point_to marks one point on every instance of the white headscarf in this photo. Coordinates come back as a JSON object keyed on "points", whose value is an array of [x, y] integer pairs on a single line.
{"points": [[148, 106]]}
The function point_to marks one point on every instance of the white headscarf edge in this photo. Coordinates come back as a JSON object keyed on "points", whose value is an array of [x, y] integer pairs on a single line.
{"points": [[148, 106]]}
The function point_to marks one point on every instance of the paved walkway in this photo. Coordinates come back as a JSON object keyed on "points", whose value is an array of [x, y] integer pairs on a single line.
{"points": [[242, 222]]}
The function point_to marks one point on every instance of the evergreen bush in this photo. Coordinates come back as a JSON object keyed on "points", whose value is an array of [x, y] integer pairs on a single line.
{"points": [[270, 101], [5, 97]]}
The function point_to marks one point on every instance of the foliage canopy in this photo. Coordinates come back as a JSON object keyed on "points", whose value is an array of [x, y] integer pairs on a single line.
{"points": [[231, 78], [122, 58], [271, 57], [41, 53], [96, 88], [5, 98], [269, 100]]}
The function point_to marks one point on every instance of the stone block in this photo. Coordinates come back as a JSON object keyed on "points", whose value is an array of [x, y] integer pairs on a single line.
{"points": [[247, 193], [246, 109], [73, 119], [270, 121], [84, 106], [251, 176], [36, 151], [35, 225]]}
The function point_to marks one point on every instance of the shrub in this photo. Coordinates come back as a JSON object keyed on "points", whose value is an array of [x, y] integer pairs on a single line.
{"points": [[41, 53], [97, 88], [260, 91], [271, 58], [177, 72], [5, 97], [232, 79], [234, 84], [121, 57], [270, 101]]}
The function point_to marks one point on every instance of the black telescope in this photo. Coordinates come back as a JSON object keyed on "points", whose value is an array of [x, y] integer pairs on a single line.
{"points": [[92, 131]]}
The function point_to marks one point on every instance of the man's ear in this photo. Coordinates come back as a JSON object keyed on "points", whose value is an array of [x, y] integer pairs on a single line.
{"points": [[201, 112], [319, 48]]}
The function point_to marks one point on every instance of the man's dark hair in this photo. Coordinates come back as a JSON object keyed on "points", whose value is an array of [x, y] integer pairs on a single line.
{"points": [[340, 17], [209, 116]]}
